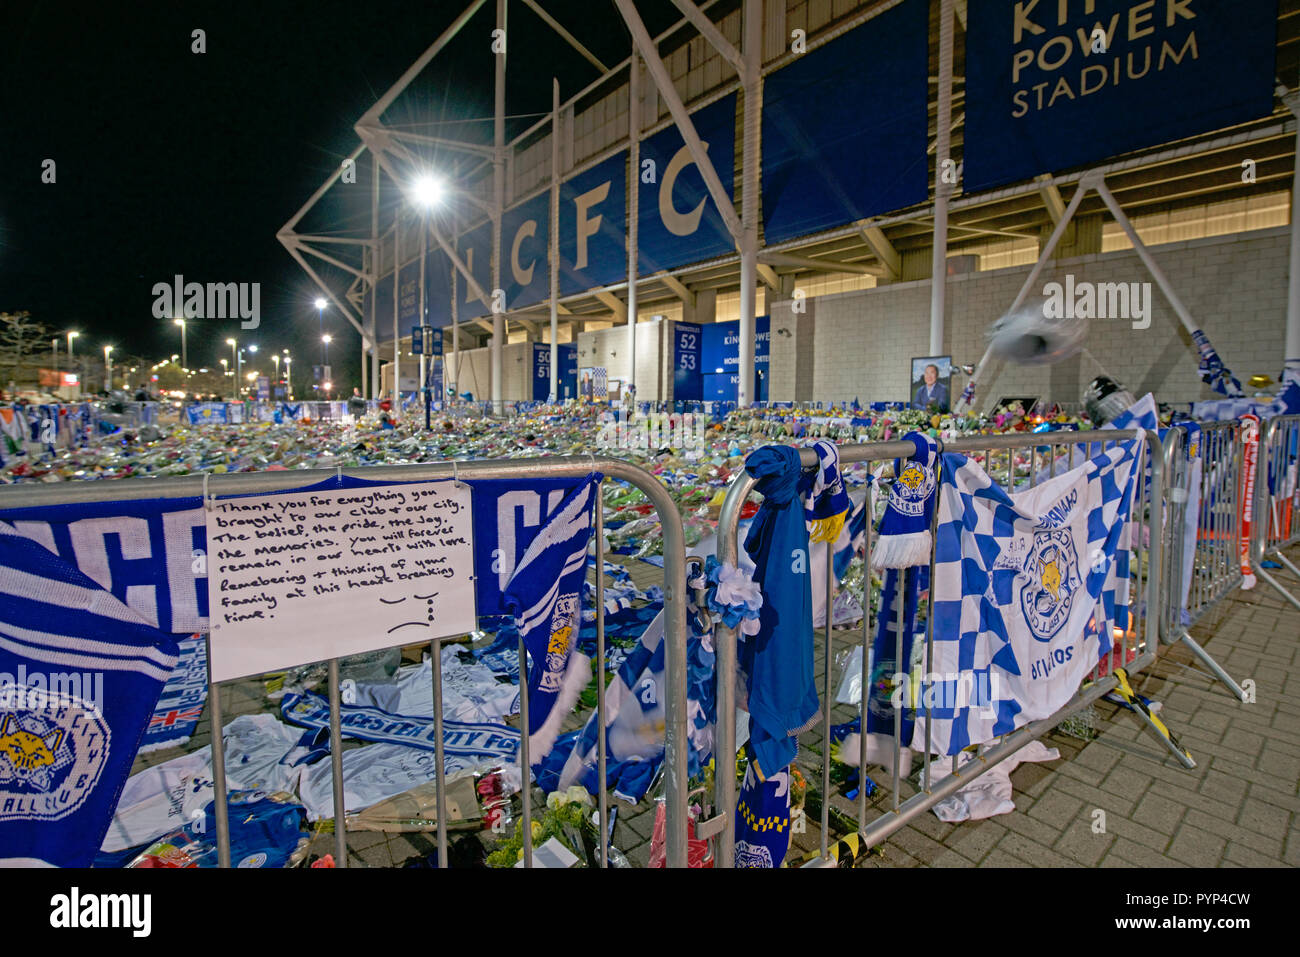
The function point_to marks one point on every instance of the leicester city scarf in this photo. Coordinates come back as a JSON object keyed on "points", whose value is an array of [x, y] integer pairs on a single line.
{"points": [[904, 538], [903, 544], [460, 738], [545, 595], [763, 819], [829, 503], [777, 662], [79, 675]]}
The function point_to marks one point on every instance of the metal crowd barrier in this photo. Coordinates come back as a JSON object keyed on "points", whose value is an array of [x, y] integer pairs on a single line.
{"points": [[1277, 499], [1135, 648], [1206, 479], [675, 600]]}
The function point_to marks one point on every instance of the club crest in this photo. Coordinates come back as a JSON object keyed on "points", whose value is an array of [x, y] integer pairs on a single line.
{"points": [[564, 623], [1052, 569], [911, 490], [50, 758]]}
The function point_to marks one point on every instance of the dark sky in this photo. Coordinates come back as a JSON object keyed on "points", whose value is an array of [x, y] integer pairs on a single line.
{"points": [[174, 162]]}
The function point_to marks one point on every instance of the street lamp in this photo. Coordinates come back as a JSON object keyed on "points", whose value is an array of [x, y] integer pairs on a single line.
{"points": [[426, 192], [325, 350], [185, 360], [288, 374], [71, 336], [108, 368]]}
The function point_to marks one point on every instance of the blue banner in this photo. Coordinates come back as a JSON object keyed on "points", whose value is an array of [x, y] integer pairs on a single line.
{"points": [[593, 240], [408, 295], [437, 281], [687, 344], [418, 341], [206, 412], [824, 165], [679, 222], [152, 554], [525, 232], [383, 307], [475, 251], [1051, 86]]}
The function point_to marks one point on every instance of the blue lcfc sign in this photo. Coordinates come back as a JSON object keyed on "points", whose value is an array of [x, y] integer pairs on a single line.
{"points": [[525, 231], [679, 221], [417, 341], [593, 241], [1055, 85], [475, 251], [822, 165]]}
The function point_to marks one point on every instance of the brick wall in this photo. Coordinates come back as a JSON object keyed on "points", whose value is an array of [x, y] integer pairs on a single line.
{"points": [[609, 348], [1235, 287]]}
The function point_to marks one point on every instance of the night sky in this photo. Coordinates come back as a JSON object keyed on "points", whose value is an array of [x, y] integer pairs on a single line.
{"points": [[174, 162]]}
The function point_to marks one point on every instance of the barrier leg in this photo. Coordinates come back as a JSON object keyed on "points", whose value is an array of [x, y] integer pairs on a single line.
{"points": [[1287, 562], [1208, 660], [1262, 573]]}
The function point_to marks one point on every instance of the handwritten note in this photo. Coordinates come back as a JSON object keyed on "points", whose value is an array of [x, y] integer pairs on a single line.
{"points": [[302, 577]]}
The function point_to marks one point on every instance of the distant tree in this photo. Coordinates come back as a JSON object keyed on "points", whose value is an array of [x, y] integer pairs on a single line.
{"points": [[21, 340]]}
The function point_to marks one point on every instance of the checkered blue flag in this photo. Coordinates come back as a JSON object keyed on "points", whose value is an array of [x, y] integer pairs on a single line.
{"points": [[1026, 588]]}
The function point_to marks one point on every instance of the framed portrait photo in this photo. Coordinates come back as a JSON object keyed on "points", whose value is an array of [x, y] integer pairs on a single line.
{"points": [[931, 378]]}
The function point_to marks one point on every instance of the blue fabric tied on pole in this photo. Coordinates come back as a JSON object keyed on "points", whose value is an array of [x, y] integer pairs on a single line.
{"points": [[778, 661]]}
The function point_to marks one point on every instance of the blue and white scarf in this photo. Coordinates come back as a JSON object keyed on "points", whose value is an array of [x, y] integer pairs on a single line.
{"points": [[463, 738], [545, 596], [904, 538], [903, 544], [828, 505]]}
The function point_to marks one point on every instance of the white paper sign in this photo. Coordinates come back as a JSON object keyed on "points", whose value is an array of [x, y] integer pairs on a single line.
{"points": [[301, 577]]}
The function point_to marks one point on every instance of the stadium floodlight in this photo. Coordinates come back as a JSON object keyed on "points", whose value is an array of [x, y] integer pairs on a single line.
{"points": [[427, 191], [320, 303]]}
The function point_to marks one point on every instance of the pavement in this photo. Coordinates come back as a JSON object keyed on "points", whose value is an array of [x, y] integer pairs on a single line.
{"points": [[1118, 800]]}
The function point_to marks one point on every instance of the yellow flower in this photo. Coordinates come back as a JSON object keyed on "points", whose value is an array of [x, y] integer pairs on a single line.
{"points": [[537, 829]]}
